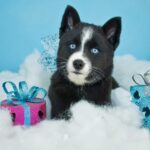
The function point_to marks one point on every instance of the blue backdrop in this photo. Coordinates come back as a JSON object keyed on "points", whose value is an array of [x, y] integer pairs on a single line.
{"points": [[24, 22]]}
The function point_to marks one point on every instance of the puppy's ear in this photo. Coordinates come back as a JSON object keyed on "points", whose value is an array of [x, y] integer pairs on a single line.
{"points": [[112, 30], [69, 20]]}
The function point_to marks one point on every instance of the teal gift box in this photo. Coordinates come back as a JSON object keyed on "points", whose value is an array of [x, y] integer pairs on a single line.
{"points": [[141, 96]]}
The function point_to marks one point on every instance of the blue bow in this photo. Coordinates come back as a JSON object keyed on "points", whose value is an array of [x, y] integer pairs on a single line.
{"points": [[22, 95]]}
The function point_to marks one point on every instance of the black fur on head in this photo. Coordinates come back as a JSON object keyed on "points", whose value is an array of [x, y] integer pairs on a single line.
{"points": [[69, 20], [111, 29]]}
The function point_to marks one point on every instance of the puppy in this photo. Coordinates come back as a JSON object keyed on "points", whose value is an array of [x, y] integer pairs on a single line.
{"points": [[84, 63]]}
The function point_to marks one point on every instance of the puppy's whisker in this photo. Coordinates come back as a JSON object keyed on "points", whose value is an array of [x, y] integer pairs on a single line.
{"points": [[61, 67], [96, 75], [99, 74], [62, 63], [98, 71], [61, 58]]}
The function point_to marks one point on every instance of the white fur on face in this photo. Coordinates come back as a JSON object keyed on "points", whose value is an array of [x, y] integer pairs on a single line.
{"points": [[86, 36], [80, 79]]}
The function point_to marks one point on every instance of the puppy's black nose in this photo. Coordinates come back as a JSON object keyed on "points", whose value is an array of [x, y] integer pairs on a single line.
{"points": [[78, 64]]}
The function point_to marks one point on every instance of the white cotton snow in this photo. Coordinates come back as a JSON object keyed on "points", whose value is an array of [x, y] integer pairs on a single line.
{"points": [[91, 127]]}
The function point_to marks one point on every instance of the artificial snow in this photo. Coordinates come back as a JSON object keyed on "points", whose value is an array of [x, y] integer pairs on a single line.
{"points": [[91, 127]]}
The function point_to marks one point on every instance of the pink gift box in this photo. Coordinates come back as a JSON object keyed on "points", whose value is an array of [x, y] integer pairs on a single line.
{"points": [[37, 112]]}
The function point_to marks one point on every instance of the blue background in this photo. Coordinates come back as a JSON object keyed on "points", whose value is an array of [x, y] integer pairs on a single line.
{"points": [[24, 22]]}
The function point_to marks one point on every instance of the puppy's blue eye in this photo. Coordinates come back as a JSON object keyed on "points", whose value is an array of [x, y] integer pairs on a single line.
{"points": [[94, 51], [72, 46]]}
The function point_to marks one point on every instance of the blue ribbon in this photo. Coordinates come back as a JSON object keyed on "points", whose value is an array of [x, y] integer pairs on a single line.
{"points": [[22, 95], [145, 78]]}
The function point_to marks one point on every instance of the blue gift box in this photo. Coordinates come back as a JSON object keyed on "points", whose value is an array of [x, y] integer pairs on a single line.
{"points": [[141, 97]]}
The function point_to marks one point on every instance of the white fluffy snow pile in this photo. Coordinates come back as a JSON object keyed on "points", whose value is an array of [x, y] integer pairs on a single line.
{"points": [[91, 128]]}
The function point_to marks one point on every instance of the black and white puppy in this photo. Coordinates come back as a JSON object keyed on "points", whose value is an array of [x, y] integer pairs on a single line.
{"points": [[84, 63]]}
